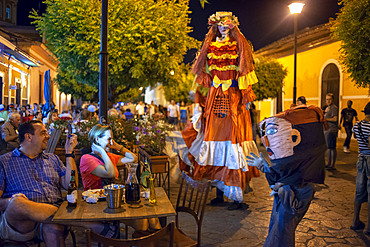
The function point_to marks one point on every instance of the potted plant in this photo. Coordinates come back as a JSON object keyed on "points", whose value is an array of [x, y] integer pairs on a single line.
{"points": [[151, 141]]}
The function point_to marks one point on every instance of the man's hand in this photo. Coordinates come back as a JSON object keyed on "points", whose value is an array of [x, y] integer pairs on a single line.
{"points": [[71, 143], [259, 162]]}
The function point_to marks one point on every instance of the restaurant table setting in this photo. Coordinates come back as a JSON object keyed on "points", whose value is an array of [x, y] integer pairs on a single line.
{"points": [[110, 204]]}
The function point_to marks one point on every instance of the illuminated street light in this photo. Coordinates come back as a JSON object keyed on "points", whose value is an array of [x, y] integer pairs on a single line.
{"points": [[295, 9]]}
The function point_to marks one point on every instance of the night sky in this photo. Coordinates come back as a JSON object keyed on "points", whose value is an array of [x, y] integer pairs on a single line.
{"points": [[261, 21]]}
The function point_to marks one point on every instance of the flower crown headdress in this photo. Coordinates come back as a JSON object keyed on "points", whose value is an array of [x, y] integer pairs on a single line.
{"points": [[224, 19]]}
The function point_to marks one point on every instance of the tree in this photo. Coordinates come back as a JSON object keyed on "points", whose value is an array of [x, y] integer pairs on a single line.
{"points": [[179, 91], [352, 28], [270, 74], [146, 40]]}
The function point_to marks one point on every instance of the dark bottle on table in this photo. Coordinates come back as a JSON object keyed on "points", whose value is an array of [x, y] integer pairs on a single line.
{"points": [[72, 191], [132, 188]]}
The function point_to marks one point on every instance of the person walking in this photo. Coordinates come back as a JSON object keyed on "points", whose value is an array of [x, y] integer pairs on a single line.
{"points": [[173, 113], [361, 132], [346, 120], [184, 115], [140, 109], [331, 116]]}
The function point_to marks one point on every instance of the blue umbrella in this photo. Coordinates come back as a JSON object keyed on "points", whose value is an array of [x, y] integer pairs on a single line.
{"points": [[47, 93]]}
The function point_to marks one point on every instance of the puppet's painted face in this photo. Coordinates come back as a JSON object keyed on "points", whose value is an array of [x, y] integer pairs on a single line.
{"points": [[224, 29], [277, 136]]}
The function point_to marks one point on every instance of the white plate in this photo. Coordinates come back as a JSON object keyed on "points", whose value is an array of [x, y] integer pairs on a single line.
{"points": [[99, 192]]}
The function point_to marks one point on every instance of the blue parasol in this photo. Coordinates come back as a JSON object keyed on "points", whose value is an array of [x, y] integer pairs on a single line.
{"points": [[47, 93]]}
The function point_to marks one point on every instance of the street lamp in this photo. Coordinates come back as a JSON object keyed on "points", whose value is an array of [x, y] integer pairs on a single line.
{"points": [[295, 9], [103, 64]]}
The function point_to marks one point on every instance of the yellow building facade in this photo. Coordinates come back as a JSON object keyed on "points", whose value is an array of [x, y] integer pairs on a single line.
{"points": [[318, 72], [22, 68]]}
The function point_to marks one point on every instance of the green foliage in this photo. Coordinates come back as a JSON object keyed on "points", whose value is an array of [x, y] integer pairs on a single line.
{"points": [[202, 2], [132, 95], [146, 40], [352, 27], [178, 89], [270, 74]]}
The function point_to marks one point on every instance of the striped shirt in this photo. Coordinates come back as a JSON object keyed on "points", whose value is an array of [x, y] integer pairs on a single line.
{"points": [[38, 179], [363, 141]]}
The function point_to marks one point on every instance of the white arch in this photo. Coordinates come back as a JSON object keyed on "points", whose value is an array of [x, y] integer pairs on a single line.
{"points": [[326, 63]]}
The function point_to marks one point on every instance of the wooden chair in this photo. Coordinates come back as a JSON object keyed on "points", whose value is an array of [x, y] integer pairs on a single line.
{"points": [[53, 141], [192, 199], [147, 241]]}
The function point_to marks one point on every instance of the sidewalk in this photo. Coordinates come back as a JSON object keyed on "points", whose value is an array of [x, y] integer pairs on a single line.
{"points": [[325, 224]]}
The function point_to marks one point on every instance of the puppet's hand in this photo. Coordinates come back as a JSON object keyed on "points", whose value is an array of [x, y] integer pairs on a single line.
{"points": [[259, 162]]}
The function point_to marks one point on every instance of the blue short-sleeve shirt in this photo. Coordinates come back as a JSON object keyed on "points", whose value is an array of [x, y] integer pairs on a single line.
{"points": [[38, 179]]}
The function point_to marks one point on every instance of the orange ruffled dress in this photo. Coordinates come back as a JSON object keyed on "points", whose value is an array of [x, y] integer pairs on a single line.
{"points": [[218, 149]]}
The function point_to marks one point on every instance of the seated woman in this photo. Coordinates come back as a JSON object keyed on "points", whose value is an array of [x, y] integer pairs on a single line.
{"points": [[49, 121], [101, 163]]}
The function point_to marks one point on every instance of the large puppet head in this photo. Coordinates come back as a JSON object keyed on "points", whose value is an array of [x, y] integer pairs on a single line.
{"points": [[279, 137], [293, 129], [295, 142], [246, 63]]}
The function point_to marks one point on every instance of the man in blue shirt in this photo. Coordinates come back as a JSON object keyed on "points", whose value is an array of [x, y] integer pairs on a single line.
{"points": [[128, 114], [30, 187]]}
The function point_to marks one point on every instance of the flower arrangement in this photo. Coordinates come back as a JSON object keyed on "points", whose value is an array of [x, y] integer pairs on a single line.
{"points": [[224, 19], [151, 135]]}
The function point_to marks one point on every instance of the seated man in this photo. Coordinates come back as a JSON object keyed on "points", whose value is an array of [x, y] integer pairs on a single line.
{"points": [[9, 131], [30, 188]]}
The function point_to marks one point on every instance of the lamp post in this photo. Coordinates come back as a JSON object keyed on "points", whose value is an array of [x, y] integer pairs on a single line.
{"points": [[103, 64], [295, 9]]}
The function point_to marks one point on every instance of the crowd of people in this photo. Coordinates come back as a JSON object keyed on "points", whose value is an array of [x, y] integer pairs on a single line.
{"points": [[29, 199]]}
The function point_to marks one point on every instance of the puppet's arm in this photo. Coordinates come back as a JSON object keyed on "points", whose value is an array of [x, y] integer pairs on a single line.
{"points": [[259, 162]]}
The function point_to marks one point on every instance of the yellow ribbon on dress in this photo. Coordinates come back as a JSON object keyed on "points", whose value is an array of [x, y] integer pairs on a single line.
{"points": [[225, 83], [243, 81]]}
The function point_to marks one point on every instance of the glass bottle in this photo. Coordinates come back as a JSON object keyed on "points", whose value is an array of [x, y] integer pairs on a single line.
{"points": [[72, 191], [132, 192], [152, 196]]}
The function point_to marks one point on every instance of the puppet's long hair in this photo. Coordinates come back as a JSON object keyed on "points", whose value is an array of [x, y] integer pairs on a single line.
{"points": [[246, 64]]}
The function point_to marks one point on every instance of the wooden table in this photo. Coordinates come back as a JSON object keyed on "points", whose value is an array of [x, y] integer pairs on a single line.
{"points": [[98, 212]]}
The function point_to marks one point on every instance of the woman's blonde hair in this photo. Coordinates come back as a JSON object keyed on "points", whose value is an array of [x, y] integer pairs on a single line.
{"points": [[49, 118], [97, 131]]}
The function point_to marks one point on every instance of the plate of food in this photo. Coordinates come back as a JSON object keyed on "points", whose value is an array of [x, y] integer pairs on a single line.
{"points": [[98, 193]]}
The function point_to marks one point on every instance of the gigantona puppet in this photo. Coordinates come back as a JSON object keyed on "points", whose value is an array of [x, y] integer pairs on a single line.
{"points": [[220, 136], [295, 143]]}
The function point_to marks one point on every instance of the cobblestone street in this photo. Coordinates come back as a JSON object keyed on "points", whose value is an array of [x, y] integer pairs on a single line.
{"points": [[326, 223]]}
